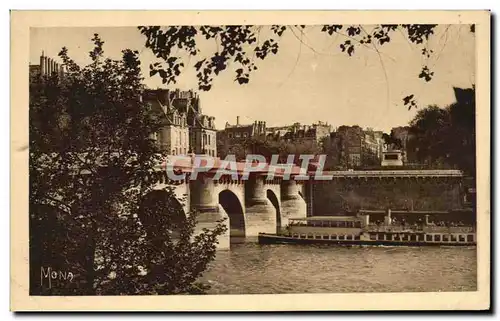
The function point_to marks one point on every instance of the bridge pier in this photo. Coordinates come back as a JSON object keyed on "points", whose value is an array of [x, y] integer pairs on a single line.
{"points": [[260, 214], [204, 201], [292, 204]]}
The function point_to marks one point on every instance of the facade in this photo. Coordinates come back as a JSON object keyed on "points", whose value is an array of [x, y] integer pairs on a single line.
{"points": [[299, 133], [203, 135], [352, 147], [173, 137], [291, 133], [186, 129], [240, 132], [351, 144], [374, 142]]}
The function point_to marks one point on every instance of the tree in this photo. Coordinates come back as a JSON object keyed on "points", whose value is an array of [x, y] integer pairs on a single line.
{"points": [[447, 135], [238, 45], [92, 162]]}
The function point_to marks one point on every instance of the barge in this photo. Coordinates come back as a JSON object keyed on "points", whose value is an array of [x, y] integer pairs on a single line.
{"points": [[355, 230]]}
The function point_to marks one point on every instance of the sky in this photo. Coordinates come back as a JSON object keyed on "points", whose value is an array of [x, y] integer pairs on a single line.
{"points": [[309, 80]]}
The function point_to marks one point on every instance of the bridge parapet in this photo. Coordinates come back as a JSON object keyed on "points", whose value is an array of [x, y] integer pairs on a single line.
{"points": [[397, 173]]}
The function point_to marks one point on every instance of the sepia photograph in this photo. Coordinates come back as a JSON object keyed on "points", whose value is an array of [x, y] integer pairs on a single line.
{"points": [[318, 154]]}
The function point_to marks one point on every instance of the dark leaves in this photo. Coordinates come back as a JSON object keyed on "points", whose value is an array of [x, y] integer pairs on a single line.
{"points": [[426, 74], [238, 45], [410, 101], [347, 47], [353, 31], [277, 29], [331, 29], [427, 52], [419, 33]]}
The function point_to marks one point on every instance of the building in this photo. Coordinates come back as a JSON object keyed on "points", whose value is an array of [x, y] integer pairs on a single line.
{"points": [[186, 129], [299, 133], [173, 137], [203, 135], [239, 132], [46, 67], [374, 142], [351, 145]]}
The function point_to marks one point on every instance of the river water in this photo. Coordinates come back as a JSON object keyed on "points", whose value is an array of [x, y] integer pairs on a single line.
{"points": [[250, 268]]}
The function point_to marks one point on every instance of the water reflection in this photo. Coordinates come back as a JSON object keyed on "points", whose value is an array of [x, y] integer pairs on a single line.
{"points": [[252, 268]]}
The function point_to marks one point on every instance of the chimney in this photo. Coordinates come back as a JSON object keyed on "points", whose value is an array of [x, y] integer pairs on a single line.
{"points": [[237, 120], [42, 67], [45, 65], [51, 66]]}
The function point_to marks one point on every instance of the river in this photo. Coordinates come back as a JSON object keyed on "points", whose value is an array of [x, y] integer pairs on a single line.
{"points": [[250, 268]]}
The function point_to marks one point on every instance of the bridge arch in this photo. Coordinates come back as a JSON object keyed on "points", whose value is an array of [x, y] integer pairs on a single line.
{"points": [[274, 200], [162, 212], [234, 210]]}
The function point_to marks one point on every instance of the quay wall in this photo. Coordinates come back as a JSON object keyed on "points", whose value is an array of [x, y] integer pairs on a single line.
{"points": [[430, 194]]}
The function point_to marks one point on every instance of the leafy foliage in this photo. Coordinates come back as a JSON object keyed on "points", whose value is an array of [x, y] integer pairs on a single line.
{"points": [[447, 135], [238, 45], [91, 164]]}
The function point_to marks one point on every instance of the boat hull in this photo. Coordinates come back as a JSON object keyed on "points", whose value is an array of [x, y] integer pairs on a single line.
{"points": [[281, 239]]}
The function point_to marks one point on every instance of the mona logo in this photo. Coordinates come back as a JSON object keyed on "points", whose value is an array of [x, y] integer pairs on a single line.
{"points": [[48, 275]]}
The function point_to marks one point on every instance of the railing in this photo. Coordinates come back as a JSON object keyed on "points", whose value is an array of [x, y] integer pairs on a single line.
{"points": [[393, 228], [342, 224]]}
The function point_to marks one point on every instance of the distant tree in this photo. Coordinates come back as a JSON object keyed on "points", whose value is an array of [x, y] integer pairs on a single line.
{"points": [[447, 135], [238, 45], [91, 163]]}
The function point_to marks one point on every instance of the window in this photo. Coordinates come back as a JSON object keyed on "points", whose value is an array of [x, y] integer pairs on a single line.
{"points": [[470, 238], [245, 135], [237, 134], [428, 238], [230, 135], [437, 238]]}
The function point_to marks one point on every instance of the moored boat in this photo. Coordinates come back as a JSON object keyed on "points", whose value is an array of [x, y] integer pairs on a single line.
{"points": [[356, 230]]}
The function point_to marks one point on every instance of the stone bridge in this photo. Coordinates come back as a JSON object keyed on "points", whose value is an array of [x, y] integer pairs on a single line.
{"points": [[253, 205], [260, 204]]}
